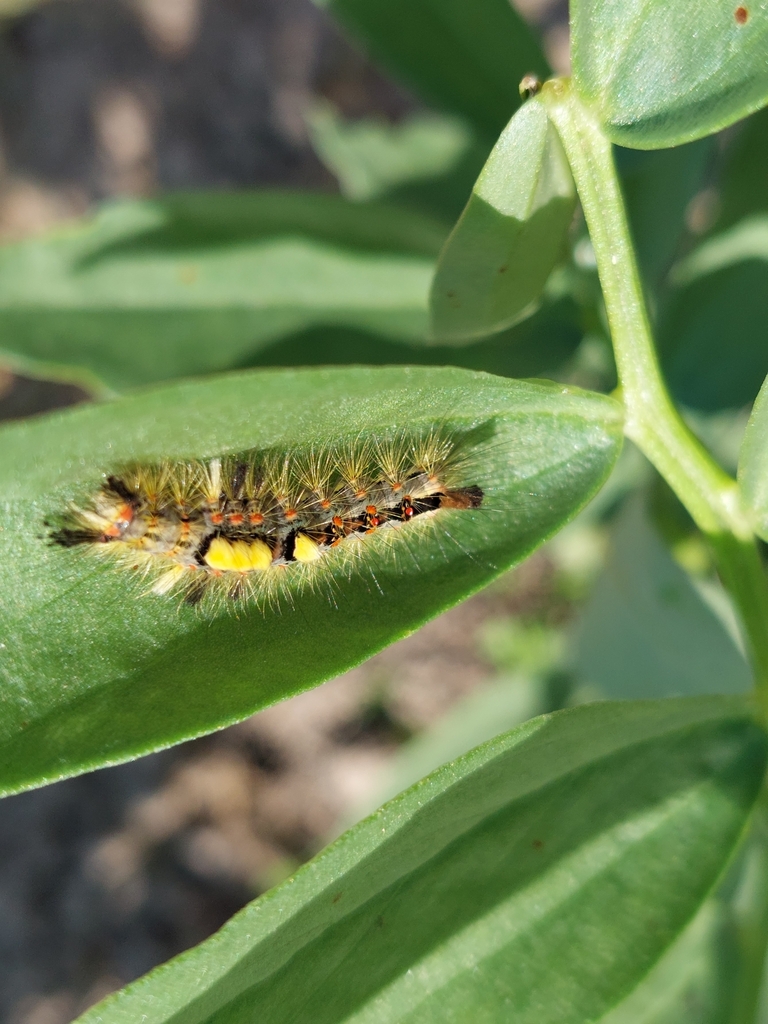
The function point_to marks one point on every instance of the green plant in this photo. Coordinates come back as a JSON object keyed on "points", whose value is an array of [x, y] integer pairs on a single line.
{"points": [[606, 862]]}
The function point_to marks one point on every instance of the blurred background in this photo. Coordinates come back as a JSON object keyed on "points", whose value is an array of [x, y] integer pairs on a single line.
{"points": [[104, 876]]}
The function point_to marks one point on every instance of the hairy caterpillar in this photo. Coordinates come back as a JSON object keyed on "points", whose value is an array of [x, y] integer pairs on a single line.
{"points": [[225, 527]]}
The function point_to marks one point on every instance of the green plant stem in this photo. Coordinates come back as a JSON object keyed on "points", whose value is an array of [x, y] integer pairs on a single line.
{"points": [[653, 422], [750, 921], [743, 574]]}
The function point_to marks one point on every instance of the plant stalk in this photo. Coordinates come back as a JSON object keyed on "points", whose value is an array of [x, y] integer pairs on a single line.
{"points": [[749, 922], [652, 421], [743, 574]]}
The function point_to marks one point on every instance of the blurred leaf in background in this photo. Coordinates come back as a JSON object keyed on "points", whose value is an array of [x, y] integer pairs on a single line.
{"points": [[275, 278], [647, 630], [428, 162], [505, 702], [523, 656], [200, 282], [658, 187], [743, 179], [370, 158], [713, 333], [467, 59], [541, 346]]}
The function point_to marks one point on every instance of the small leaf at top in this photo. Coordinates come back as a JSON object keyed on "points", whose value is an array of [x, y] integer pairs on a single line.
{"points": [[659, 73], [494, 265]]}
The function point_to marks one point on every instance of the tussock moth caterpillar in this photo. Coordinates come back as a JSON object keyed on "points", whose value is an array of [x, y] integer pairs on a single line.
{"points": [[242, 527]]}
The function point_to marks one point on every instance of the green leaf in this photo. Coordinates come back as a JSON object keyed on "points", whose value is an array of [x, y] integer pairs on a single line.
{"points": [[711, 973], [194, 283], [658, 74], [93, 671], [713, 332], [689, 984], [647, 631], [753, 464], [535, 880], [658, 187], [496, 262], [369, 157], [465, 58], [537, 347], [743, 182]]}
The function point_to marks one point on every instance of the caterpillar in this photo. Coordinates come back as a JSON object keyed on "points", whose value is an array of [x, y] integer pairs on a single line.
{"points": [[226, 526]]}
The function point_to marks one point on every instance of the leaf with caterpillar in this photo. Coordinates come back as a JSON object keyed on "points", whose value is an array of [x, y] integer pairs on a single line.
{"points": [[85, 648]]}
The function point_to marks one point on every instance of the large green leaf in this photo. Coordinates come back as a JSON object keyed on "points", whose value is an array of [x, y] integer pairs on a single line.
{"points": [[194, 283], [691, 984], [753, 464], [93, 671], [496, 262], [686, 986], [713, 331], [467, 58], [658, 74], [647, 631], [535, 880]]}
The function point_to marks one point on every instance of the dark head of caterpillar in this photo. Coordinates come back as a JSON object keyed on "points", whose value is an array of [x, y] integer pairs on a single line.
{"points": [[226, 526]]}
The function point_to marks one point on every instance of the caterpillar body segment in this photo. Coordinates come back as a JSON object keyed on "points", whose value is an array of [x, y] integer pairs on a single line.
{"points": [[226, 525]]}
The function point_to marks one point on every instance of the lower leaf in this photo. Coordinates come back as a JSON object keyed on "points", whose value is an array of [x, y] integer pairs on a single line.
{"points": [[535, 879]]}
